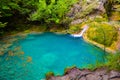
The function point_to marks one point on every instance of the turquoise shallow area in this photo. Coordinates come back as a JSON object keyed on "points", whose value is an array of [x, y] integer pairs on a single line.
{"points": [[49, 52]]}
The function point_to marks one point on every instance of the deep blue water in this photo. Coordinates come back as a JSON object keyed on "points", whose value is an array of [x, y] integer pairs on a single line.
{"points": [[47, 52]]}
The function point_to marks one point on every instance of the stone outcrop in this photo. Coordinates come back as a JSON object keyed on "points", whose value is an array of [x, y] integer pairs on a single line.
{"points": [[89, 8], [77, 74]]}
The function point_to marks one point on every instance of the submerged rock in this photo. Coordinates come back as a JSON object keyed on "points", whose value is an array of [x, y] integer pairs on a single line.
{"points": [[77, 74]]}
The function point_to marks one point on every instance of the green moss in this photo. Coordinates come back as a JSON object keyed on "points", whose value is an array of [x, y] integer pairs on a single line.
{"points": [[49, 75], [102, 33], [96, 66], [75, 28], [101, 19], [113, 61], [36, 28], [115, 16], [27, 31], [67, 69]]}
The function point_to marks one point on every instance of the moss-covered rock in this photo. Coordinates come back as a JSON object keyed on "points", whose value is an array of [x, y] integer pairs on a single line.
{"points": [[49, 75], [102, 33], [115, 16], [75, 28]]}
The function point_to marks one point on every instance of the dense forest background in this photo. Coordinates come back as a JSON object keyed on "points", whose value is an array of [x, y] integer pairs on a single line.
{"points": [[16, 13], [20, 14]]}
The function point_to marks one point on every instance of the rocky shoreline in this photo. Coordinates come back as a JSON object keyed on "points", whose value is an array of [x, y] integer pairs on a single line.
{"points": [[77, 74]]}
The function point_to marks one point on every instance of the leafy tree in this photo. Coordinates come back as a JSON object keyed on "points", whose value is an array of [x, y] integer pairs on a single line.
{"points": [[51, 10], [2, 25], [11, 7], [10, 10], [109, 5]]}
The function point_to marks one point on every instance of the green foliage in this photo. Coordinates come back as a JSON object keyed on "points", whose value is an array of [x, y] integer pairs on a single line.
{"points": [[109, 6], [114, 1], [113, 61], [11, 10], [11, 7], [100, 19], [49, 11], [102, 33], [75, 28], [2, 25], [96, 66], [53, 12]]}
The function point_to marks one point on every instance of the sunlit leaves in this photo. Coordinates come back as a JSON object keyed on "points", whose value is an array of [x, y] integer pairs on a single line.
{"points": [[51, 10]]}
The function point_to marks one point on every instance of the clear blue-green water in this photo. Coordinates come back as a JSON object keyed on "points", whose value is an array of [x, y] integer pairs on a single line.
{"points": [[47, 52]]}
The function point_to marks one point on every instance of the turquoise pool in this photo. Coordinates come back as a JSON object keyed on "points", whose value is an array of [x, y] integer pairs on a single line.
{"points": [[40, 53]]}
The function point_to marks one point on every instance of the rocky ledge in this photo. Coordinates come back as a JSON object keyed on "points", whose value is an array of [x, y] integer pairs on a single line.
{"points": [[77, 74]]}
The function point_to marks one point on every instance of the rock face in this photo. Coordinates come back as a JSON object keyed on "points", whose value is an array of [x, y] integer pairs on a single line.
{"points": [[87, 8], [99, 74]]}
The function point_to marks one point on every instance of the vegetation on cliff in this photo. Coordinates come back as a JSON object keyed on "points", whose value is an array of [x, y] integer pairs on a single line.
{"points": [[113, 61], [18, 15], [103, 33]]}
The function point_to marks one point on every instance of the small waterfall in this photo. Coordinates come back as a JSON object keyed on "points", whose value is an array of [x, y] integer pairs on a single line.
{"points": [[81, 33]]}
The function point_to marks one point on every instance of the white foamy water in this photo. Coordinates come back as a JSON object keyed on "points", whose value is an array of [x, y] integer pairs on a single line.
{"points": [[81, 33]]}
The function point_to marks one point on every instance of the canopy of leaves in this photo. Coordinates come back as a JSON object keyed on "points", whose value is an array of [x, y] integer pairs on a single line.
{"points": [[51, 10], [2, 24], [10, 7]]}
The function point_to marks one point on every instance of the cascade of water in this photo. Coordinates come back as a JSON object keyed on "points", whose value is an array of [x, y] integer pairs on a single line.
{"points": [[81, 33]]}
